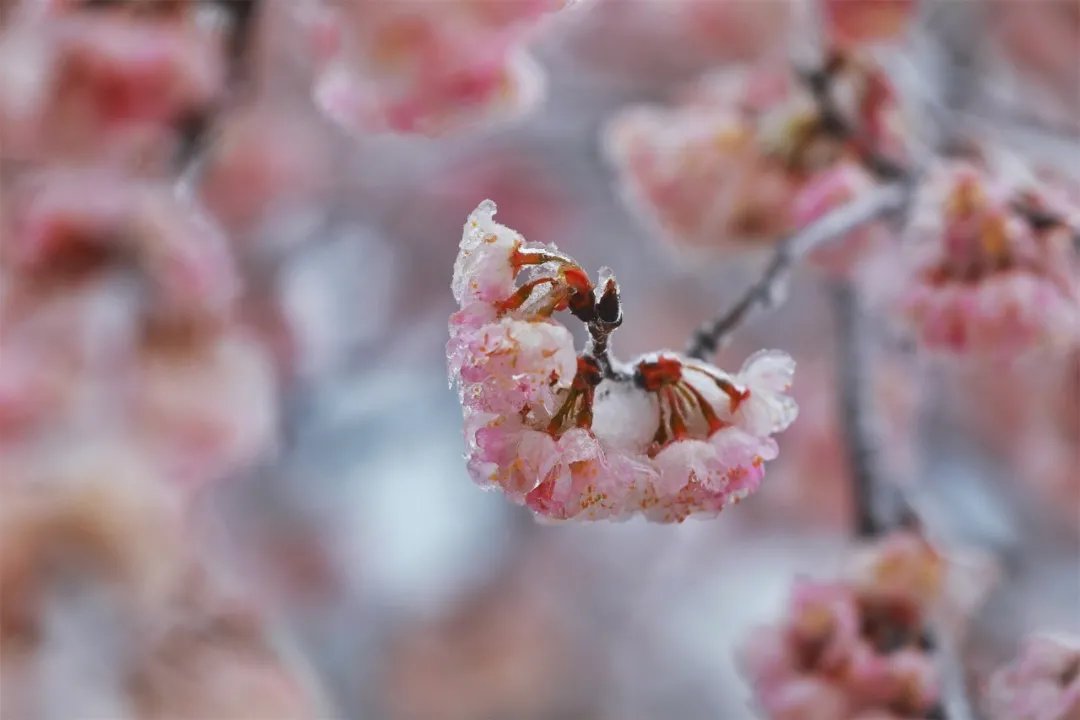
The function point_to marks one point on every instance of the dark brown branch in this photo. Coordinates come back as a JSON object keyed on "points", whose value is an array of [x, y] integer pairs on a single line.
{"points": [[768, 289]]}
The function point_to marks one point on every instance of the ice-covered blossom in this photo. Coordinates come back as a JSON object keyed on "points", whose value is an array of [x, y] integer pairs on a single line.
{"points": [[748, 155], [855, 648], [547, 426], [981, 278], [1042, 683], [387, 66]]}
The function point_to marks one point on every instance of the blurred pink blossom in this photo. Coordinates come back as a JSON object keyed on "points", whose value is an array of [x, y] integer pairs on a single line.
{"points": [[855, 648], [1042, 683], [387, 66], [980, 277], [109, 85], [747, 156]]}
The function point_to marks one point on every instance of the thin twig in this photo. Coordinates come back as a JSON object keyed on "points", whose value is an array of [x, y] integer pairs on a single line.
{"points": [[600, 350], [768, 289]]}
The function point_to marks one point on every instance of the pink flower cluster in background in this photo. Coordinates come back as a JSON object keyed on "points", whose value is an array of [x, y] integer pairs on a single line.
{"points": [[113, 84], [748, 155], [107, 609], [427, 68], [1042, 683], [856, 648], [545, 425], [128, 293], [983, 277], [129, 380]]}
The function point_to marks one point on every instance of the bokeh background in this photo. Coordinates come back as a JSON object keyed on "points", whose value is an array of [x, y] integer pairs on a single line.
{"points": [[388, 584]]}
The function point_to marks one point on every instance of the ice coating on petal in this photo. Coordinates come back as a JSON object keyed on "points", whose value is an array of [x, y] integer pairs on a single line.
{"points": [[510, 365], [483, 270], [684, 462], [744, 457], [768, 375], [511, 457]]}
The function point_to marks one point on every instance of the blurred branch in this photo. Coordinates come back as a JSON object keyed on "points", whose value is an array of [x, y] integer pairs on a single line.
{"points": [[767, 291], [195, 130], [1041, 219], [855, 391], [955, 701], [869, 478]]}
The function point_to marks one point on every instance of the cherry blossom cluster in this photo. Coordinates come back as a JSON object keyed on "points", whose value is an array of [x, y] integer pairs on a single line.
{"points": [[983, 275], [392, 66], [572, 435], [859, 647], [115, 84], [1042, 683], [109, 611], [119, 303], [748, 155], [118, 309], [130, 378]]}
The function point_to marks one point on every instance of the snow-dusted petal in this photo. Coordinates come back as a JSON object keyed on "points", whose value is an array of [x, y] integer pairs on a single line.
{"points": [[483, 270], [768, 375]]}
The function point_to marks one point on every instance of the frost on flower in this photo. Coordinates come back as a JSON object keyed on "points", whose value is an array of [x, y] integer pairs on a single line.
{"points": [[857, 647], [1042, 683], [981, 277], [386, 67], [668, 438], [746, 156]]}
